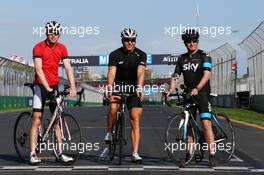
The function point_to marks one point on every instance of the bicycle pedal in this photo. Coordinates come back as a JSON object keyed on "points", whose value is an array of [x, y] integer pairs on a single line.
{"points": [[124, 142], [198, 157]]}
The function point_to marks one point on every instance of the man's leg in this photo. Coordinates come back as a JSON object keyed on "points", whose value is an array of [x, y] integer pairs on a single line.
{"points": [[38, 101], [205, 116], [135, 109], [135, 114], [111, 117], [208, 135], [34, 130], [204, 107], [209, 138], [190, 140]]}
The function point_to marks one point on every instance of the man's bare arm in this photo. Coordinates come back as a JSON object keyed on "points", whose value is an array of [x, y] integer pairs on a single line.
{"points": [[40, 74], [69, 73]]}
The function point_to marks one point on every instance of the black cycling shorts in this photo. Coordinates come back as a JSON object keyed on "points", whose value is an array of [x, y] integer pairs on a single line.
{"points": [[40, 96], [202, 101], [133, 102]]}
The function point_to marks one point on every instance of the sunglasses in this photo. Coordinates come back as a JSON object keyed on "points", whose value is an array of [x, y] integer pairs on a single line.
{"points": [[129, 39], [53, 32], [189, 41]]}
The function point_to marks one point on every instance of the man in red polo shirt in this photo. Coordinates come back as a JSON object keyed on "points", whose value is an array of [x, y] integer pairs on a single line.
{"points": [[47, 56]]}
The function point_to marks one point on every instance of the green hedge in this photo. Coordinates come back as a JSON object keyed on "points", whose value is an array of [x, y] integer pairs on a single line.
{"points": [[10, 102]]}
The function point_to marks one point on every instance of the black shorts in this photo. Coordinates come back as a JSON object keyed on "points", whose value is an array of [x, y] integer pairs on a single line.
{"points": [[203, 104], [40, 96], [133, 102]]}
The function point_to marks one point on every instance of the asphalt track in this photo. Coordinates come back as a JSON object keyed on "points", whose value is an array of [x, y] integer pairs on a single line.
{"points": [[248, 159]]}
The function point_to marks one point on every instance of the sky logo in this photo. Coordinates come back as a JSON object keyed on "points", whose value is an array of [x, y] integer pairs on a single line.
{"points": [[103, 60], [149, 59]]}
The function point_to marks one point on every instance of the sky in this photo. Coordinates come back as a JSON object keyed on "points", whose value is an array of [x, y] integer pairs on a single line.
{"points": [[104, 20]]}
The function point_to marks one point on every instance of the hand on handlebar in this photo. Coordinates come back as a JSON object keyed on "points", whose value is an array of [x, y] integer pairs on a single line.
{"points": [[49, 89], [108, 94], [72, 92], [168, 93], [194, 92], [140, 95]]}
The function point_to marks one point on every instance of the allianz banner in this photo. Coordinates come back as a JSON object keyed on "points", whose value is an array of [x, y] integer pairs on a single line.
{"points": [[102, 60]]}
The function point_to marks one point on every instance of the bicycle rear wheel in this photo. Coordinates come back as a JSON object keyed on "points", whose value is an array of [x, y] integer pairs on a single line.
{"points": [[21, 135], [224, 137], [176, 141], [68, 127]]}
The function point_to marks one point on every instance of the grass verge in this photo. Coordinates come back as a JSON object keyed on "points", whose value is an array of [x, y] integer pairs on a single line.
{"points": [[244, 115]]}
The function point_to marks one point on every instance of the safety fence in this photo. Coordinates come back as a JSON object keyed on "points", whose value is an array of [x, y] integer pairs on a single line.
{"points": [[254, 47], [13, 93]]}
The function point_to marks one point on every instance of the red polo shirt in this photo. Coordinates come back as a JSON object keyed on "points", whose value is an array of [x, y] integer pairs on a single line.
{"points": [[51, 57]]}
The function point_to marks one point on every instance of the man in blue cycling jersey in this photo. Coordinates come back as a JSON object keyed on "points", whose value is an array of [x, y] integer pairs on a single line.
{"points": [[196, 65]]}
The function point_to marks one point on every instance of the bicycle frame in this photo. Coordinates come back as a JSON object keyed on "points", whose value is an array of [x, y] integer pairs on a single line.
{"points": [[220, 128], [57, 113], [189, 130], [122, 110], [189, 116], [184, 123]]}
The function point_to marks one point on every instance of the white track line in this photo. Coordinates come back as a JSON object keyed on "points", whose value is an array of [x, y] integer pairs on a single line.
{"points": [[103, 127], [127, 168]]}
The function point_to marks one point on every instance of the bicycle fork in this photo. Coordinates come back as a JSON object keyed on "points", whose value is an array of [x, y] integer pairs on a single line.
{"points": [[124, 125], [184, 123]]}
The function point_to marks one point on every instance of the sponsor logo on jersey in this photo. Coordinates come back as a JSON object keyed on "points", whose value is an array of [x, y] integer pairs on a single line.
{"points": [[190, 66]]}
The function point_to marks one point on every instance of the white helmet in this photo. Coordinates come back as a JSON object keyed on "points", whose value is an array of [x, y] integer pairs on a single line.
{"points": [[128, 33], [53, 27]]}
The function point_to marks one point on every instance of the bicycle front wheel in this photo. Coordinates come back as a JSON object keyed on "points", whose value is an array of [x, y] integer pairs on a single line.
{"points": [[21, 135], [118, 138], [121, 136], [176, 141], [66, 137], [224, 137], [115, 139]]}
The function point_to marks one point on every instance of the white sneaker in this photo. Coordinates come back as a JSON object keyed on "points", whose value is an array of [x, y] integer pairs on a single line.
{"points": [[108, 137], [34, 159], [64, 158], [136, 158]]}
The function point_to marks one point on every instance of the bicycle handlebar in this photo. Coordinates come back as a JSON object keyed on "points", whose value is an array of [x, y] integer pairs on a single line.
{"points": [[64, 92], [185, 94], [119, 94]]}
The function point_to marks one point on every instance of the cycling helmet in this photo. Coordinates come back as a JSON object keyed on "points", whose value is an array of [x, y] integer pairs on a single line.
{"points": [[53, 27], [128, 33], [190, 34]]}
